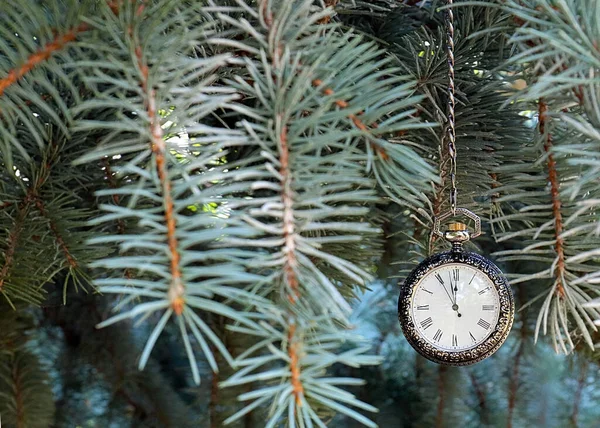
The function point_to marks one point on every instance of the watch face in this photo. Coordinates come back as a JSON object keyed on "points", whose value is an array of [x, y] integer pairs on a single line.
{"points": [[456, 308]]}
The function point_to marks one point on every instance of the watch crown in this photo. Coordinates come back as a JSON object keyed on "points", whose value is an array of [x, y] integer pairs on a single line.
{"points": [[457, 226], [457, 233]]}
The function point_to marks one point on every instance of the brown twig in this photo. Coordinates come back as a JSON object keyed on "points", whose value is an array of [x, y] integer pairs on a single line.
{"points": [[288, 218], [289, 246], [57, 235], [513, 383], [439, 420], [332, 4], [290, 259], [555, 194], [40, 56], [31, 198], [159, 148], [480, 398], [581, 382], [298, 389], [12, 243], [353, 117], [214, 399], [59, 43], [19, 399]]}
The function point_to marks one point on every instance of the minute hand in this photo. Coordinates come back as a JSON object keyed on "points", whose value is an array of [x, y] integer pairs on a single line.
{"points": [[439, 278]]}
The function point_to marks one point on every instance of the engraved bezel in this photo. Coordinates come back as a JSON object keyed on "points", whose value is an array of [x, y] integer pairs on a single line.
{"points": [[464, 357]]}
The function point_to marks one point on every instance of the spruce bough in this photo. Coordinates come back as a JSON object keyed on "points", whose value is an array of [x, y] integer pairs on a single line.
{"points": [[227, 176]]}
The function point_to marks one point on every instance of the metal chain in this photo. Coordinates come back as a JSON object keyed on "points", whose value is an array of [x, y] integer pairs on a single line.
{"points": [[450, 129]]}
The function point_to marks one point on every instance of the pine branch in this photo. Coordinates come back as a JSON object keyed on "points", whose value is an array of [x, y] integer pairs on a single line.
{"points": [[515, 378], [481, 398], [214, 400], [291, 264], [59, 239], [26, 400], [309, 155], [559, 273], [289, 250], [484, 137], [131, 397], [158, 145], [179, 267], [40, 56], [353, 117], [441, 404], [581, 383], [35, 89], [553, 221], [11, 244]]}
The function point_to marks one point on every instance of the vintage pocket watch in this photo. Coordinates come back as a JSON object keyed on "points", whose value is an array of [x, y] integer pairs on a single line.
{"points": [[456, 307]]}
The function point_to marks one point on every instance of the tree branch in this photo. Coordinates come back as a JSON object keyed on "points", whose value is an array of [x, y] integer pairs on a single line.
{"points": [[159, 148], [13, 241], [214, 400], [40, 56], [353, 117], [556, 202], [294, 366], [513, 383], [59, 239], [289, 246], [291, 262], [480, 398], [59, 42], [288, 218], [332, 4], [580, 386], [439, 420]]}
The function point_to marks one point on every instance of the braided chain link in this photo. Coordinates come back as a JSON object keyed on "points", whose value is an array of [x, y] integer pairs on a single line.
{"points": [[450, 129]]}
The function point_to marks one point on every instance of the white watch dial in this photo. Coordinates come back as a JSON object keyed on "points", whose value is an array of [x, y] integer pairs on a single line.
{"points": [[455, 307]]}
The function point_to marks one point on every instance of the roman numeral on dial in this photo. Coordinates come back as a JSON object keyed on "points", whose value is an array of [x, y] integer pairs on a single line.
{"points": [[487, 307], [439, 278], [426, 290], [423, 308], [483, 323], [455, 275], [472, 337], [426, 323], [438, 335], [484, 290], [454, 340]]}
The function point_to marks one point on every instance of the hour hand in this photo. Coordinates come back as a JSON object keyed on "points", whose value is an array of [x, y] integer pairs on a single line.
{"points": [[454, 277]]}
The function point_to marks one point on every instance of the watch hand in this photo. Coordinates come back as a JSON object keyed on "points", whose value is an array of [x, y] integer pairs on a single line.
{"points": [[449, 296], [452, 288], [441, 281]]}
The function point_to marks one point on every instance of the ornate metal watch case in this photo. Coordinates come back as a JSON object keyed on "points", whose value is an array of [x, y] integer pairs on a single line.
{"points": [[457, 255]]}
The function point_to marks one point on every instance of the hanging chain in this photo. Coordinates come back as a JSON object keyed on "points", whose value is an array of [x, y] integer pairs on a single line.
{"points": [[450, 130]]}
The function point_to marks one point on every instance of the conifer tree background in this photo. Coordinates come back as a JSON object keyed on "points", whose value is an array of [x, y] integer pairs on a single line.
{"points": [[206, 208]]}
